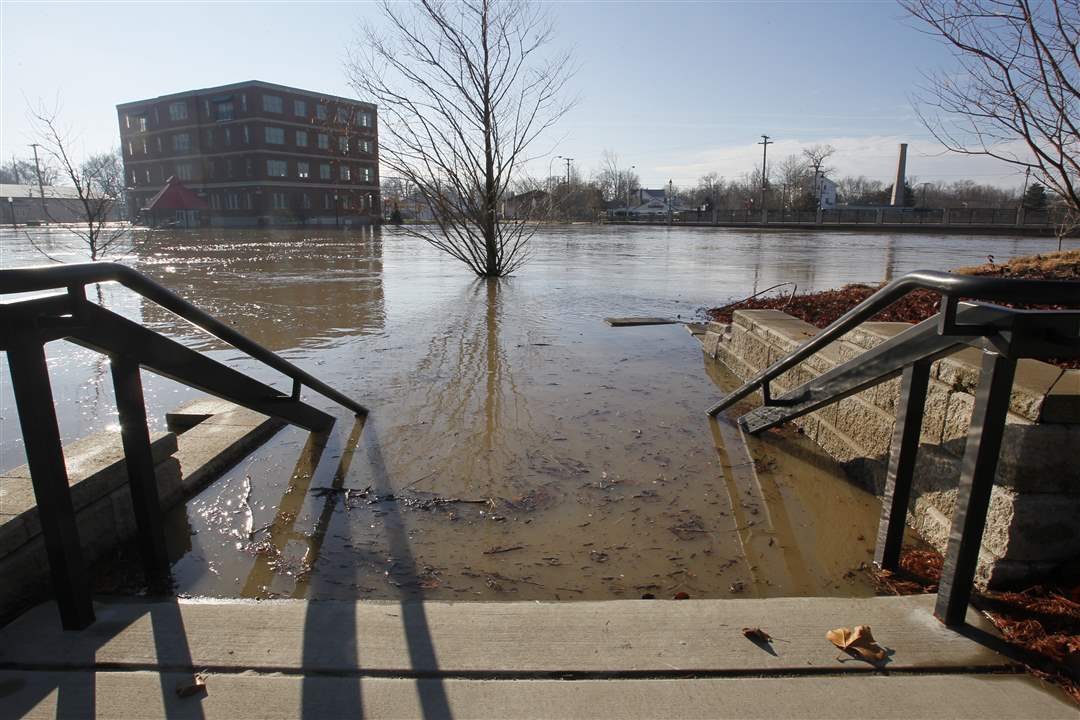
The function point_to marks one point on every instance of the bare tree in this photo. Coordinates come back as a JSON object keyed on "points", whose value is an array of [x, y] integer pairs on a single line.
{"points": [[793, 179], [24, 172], [98, 183], [1017, 94], [464, 89]]}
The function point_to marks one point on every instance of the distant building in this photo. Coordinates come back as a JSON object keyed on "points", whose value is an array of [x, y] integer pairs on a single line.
{"points": [[525, 205], [826, 193], [23, 204], [257, 153]]}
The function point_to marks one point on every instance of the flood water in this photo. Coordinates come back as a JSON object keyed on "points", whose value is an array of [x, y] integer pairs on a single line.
{"points": [[517, 447]]}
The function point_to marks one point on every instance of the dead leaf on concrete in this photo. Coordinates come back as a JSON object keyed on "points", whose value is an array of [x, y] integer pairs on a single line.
{"points": [[858, 643], [197, 686], [757, 634]]}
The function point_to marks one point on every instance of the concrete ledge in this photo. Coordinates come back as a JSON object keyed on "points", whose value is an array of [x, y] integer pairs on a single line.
{"points": [[213, 436], [615, 636], [143, 695]]}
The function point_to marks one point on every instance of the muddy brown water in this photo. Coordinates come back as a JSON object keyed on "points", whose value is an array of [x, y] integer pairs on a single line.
{"points": [[517, 448]]}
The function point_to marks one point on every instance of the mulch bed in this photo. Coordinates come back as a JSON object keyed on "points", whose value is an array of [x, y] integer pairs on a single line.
{"points": [[822, 308], [1042, 621]]}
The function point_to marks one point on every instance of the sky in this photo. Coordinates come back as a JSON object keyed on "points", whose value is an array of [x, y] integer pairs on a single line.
{"points": [[675, 89]]}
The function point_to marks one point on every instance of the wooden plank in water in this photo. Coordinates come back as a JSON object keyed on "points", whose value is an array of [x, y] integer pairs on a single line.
{"points": [[635, 321], [639, 636]]}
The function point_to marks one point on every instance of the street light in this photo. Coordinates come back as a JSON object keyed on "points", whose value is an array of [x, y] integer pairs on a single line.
{"points": [[337, 215], [11, 207]]}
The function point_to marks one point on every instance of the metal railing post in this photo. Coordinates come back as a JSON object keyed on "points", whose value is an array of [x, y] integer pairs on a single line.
{"points": [[902, 454], [48, 474], [976, 483], [142, 480]]}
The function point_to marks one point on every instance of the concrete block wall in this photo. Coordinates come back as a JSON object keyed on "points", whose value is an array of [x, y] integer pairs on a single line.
{"points": [[1033, 525]]}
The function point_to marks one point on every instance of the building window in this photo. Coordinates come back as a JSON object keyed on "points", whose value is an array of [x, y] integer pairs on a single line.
{"points": [[346, 175], [142, 123], [320, 111], [213, 169], [131, 148], [247, 135], [343, 144], [183, 171], [177, 111], [273, 103], [344, 202], [181, 142], [127, 121], [249, 167], [228, 167], [327, 203], [209, 138], [364, 120], [133, 180], [303, 170], [365, 174], [306, 199], [223, 111], [324, 171], [206, 108], [158, 143], [145, 148], [247, 201], [275, 135], [232, 201], [370, 201], [301, 138], [365, 146], [215, 201], [243, 103], [147, 176], [324, 141], [277, 168], [228, 136], [343, 115], [299, 108], [281, 201]]}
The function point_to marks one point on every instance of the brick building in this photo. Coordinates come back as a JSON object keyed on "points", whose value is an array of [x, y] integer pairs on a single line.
{"points": [[258, 153]]}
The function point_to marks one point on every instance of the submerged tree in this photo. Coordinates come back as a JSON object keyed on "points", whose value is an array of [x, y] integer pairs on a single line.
{"points": [[464, 89], [98, 182], [1016, 96]]}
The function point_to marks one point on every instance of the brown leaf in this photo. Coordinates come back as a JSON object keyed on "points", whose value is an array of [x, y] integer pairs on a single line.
{"points": [[756, 634], [195, 687], [859, 642]]}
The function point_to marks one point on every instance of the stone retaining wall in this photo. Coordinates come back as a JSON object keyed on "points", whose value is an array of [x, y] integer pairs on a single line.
{"points": [[1033, 525]]}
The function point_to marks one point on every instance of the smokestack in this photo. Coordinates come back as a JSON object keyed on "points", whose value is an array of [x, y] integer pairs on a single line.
{"points": [[899, 183]]}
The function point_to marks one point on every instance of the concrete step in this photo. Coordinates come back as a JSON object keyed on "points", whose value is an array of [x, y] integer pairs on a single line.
{"points": [[143, 695], [510, 639]]}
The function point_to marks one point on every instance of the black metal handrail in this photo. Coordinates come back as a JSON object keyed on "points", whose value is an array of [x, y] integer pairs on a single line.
{"points": [[51, 277], [949, 285]]}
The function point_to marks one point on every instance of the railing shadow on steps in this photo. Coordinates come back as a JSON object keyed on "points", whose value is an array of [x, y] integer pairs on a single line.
{"points": [[27, 324], [1004, 335]]}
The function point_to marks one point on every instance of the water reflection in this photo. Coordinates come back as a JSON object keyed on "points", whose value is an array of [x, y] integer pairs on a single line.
{"points": [[287, 289]]}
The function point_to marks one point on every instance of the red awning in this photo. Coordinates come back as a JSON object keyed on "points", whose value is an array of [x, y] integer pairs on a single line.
{"points": [[176, 196]]}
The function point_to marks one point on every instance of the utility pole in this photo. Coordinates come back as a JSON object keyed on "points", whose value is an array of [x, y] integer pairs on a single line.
{"points": [[568, 161], [1023, 193], [670, 200], [765, 143], [15, 169], [37, 168]]}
